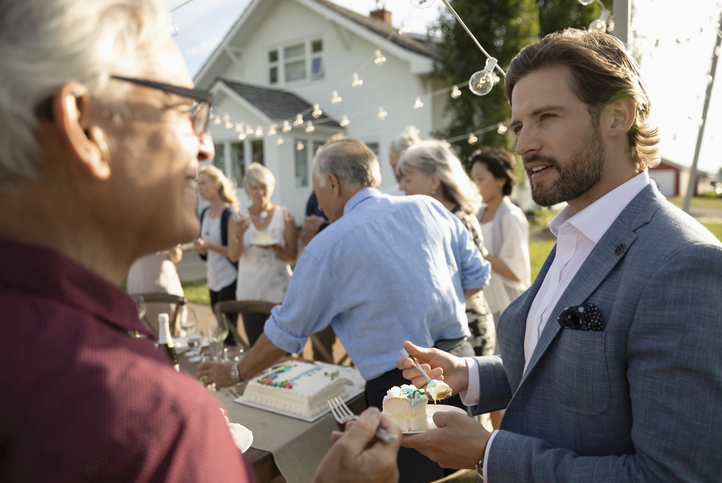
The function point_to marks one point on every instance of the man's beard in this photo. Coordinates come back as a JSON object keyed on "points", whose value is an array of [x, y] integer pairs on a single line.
{"points": [[576, 175]]}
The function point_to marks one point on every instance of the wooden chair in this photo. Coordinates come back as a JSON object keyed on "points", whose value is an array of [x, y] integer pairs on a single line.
{"points": [[238, 306], [175, 300], [261, 307]]}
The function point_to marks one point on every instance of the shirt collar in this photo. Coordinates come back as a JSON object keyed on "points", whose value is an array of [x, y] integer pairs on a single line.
{"points": [[594, 220], [362, 195], [47, 273]]}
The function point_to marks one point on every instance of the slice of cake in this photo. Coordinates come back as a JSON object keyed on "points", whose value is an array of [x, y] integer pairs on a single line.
{"points": [[263, 238], [297, 387], [406, 406]]}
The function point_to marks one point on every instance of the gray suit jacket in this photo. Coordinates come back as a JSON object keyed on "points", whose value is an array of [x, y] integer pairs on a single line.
{"points": [[640, 400]]}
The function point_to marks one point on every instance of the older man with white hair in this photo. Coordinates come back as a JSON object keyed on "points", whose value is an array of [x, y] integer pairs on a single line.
{"points": [[101, 133]]}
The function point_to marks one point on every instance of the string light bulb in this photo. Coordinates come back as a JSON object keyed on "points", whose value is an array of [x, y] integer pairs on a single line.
{"points": [[299, 120], [356, 81], [299, 146], [241, 136], [481, 82], [403, 30], [286, 126], [380, 59], [272, 129], [228, 124], [422, 3], [316, 111], [382, 114], [600, 24], [249, 130], [455, 92], [310, 127], [501, 129], [239, 127], [259, 132], [226, 117], [344, 121], [217, 121], [335, 98], [418, 104], [472, 139], [279, 141]]}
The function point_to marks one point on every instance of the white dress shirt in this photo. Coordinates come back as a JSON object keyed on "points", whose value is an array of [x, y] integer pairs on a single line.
{"points": [[577, 235]]}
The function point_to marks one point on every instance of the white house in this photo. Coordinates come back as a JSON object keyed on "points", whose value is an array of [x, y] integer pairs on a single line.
{"points": [[282, 57]]}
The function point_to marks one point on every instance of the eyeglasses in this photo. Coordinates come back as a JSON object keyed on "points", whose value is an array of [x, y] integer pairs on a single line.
{"points": [[200, 111]]}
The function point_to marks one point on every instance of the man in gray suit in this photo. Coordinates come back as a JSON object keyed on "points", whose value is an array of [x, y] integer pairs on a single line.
{"points": [[611, 363]]}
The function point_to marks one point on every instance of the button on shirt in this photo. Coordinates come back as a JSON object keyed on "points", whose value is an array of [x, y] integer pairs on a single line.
{"points": [[577, 235], [391, 269]]}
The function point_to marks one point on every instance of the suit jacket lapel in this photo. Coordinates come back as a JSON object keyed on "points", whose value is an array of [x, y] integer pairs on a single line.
{"points": [[604, 257]]}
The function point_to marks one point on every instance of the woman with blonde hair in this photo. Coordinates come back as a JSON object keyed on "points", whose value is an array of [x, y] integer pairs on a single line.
{"points": [[212, 246], [430, 168], [264, 242]]}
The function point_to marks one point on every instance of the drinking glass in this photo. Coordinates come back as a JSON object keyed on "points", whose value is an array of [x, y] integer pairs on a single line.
{"points": [[195, 340], [219, 332]]}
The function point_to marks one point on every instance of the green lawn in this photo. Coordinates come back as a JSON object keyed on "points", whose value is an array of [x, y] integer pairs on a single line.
{"points": [[699, 202]]}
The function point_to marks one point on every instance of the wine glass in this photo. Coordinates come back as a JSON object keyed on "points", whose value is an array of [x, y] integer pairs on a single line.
{"points": [[195, 340], [140, 307], [218, 335]]}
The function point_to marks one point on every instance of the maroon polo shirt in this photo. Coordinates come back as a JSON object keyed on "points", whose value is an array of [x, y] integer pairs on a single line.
{"points": [[80, 400]]}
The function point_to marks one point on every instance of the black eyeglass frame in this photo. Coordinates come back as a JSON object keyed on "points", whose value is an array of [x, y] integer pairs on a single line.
{"points": [[198, 95]]}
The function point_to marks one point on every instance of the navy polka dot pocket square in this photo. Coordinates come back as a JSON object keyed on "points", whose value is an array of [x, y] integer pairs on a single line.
{"points": [[581, 317]]}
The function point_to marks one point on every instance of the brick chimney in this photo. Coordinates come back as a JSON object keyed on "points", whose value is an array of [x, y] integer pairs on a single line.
{"points": [[382, 14]]}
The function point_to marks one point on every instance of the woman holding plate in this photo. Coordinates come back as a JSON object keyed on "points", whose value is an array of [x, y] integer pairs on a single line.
{"points": [[264, 241]]}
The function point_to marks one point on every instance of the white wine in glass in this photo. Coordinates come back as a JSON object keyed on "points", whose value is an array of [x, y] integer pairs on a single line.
{"points": [[218, 335]]}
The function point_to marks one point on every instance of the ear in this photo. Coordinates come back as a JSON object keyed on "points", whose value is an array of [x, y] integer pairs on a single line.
{"points": [[333, 184], [435, 181], [623, 112], [87, 142]]}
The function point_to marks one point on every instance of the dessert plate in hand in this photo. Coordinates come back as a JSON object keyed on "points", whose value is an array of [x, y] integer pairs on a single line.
{"points": [[242, 436], [434, 408]]}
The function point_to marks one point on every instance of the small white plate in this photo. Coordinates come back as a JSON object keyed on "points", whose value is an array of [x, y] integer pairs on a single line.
{"points": [[244, 436], [434, 408]]}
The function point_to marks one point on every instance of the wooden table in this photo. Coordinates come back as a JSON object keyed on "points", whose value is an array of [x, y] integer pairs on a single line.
{"points": [[264, 465]]}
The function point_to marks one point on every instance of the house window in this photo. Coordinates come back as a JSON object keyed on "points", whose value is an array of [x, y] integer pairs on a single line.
{"points": [[301, 163], [219, 161], [257, 151], [374, 146], [273, 67], [239, 162], [296, 62], [316, 59]]}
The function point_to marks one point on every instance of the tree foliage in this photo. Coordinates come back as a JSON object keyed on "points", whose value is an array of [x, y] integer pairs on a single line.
{"points": [[502, 27], [555, 15]]}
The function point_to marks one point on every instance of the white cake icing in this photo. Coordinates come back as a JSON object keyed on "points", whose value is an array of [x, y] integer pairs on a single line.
{"points": [[297, 387], [263, 238], [406, 406]]}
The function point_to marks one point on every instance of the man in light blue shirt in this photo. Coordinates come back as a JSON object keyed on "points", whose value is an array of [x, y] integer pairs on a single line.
{"points": [[387, 269]]}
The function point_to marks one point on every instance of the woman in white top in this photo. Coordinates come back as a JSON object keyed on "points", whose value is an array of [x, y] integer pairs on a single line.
{"points": [[212, 246], [504, 226], [264, 242]]}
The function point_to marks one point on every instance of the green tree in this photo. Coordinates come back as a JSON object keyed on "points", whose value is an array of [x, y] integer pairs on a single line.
{"points": [[555, 15], [502, 27]]}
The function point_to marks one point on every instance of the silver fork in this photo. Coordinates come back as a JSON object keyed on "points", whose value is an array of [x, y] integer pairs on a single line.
{"points": [[342, 414]]}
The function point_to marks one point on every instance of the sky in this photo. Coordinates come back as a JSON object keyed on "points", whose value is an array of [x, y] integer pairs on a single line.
{"points": [[675, 38]]}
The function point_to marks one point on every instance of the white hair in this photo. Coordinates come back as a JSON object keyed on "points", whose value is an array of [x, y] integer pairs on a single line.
{"points": [[434, 156], [46, 43], [351, 161], [401, 143]]}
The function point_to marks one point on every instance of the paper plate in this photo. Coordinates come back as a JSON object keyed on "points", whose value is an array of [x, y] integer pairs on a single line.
{"points": [[434, 408], [242, 436]]}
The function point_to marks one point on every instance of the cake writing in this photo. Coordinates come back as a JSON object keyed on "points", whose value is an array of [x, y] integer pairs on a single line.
{"points": [[271, 378]]}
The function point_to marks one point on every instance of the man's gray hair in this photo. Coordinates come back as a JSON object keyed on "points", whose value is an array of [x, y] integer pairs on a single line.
{"points": [[401, 143], [46, 43], [351, 161]]}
